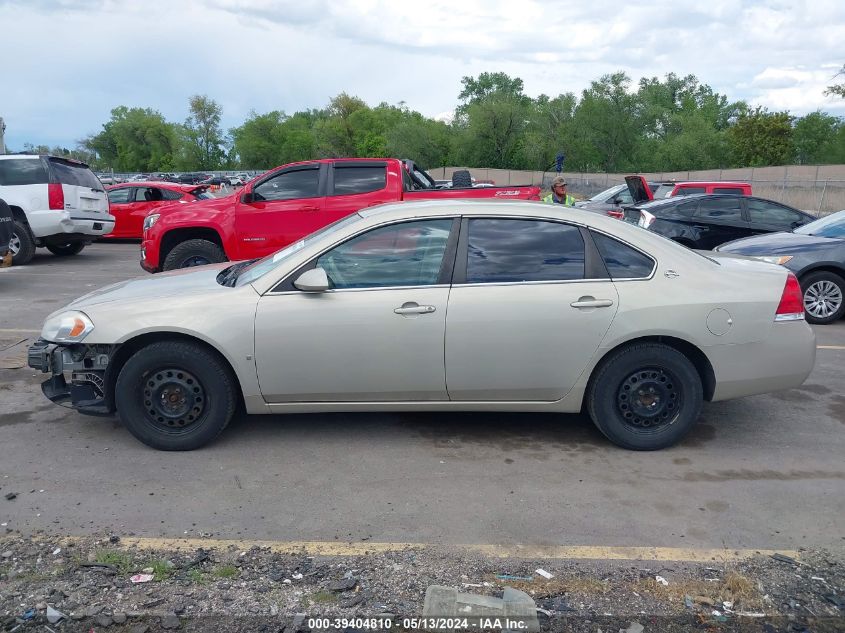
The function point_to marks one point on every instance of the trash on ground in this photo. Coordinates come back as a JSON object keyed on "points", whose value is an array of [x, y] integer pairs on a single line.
{"points": [[139, 578], [688, 602], [662, 581], [297, 576], [544, 574], [54, 616], [509, 577], [784, 559], [11, 495], [57, 551]]}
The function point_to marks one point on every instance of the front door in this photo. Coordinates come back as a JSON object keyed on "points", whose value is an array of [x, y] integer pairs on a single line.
{"points": [[376, 335], [719, 220], [285, 207], [524, 317]]}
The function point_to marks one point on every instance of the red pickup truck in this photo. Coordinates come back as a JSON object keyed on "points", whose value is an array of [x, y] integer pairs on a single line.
{"points": [[286, 204]]}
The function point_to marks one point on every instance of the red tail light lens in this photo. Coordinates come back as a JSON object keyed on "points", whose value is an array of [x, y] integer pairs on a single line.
{"points": [[619, 215], [56, 196], [791, 307]]}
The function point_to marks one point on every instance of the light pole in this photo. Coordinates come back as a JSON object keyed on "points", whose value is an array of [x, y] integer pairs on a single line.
{"points": [[2, 135]]}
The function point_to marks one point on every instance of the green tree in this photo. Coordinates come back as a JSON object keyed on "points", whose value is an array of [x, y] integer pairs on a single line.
{"points": [[336, 132], [134, 139], [760, 138], [837, 90], [201, 135], [814, 136]]}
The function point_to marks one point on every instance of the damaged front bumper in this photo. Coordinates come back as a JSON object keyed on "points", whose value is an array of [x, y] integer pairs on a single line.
{"points": [[85, 365]]}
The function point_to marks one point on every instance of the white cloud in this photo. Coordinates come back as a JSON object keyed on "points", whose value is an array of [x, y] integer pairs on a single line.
{"points": [[291, 54]]}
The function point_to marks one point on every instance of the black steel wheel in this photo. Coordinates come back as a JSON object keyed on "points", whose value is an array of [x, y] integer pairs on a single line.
{"points": [[645, 396], [175, 395]]}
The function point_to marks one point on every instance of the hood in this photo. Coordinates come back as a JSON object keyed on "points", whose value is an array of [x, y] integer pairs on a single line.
{"points": [[640, 191], [780, 244], [181, 283]]}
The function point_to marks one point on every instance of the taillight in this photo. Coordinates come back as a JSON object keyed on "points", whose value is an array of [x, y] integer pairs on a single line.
{"points": [[55, 196], [619, 215], [791, 306]]}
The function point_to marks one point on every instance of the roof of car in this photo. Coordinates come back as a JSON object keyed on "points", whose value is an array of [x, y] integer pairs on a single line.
{"points": [[162, 184]]}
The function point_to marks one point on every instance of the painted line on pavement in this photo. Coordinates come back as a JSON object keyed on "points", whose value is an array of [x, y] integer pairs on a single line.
{"points": [[15, 331], [360, 548], [830, 346]]}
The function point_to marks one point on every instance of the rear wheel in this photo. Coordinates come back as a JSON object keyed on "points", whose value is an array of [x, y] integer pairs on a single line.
{"points": [[22, 245], [823, 297], [645, 397], [192, 253], [65, 250], [175, 396]]}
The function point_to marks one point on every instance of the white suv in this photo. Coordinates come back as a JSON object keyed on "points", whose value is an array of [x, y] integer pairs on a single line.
{"points": [[56, 202]]}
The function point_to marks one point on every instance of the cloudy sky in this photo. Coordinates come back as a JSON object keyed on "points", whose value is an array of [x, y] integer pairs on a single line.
{"points": [[67, 63]]}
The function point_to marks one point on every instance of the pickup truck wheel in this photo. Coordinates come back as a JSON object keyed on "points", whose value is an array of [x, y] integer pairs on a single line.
{"points": [[193, 253], [175, 396], [65, 250], [461, 179], [645, 397], [21, 245]]}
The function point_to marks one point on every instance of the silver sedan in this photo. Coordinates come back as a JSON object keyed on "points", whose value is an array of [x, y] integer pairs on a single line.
{"points": [[436, 306]]}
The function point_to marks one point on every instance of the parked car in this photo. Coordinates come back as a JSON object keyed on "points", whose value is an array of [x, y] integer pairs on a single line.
{"points": [[6, 231], [57, 203], [216, 181], [495, 307], [704, 221], [644, 191], [286, 204], [815, 252], [610, 200], [130, 203], [191, 179]]}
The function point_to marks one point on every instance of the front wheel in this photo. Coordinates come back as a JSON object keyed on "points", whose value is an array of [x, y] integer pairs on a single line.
{"points": [[192, 253], [66, 250], [175, 395], [823, 297], [645, 397]]}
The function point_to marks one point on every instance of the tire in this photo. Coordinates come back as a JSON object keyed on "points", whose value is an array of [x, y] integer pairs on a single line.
{"points": [[191, 253], [22, 244], [824, 297], [662, 415], [461, 179], [175, 369], [66, 250]]}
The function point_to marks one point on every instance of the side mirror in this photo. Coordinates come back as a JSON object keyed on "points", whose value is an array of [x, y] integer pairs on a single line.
{"points": [[616, 201], [247, 197], [314, 280]]}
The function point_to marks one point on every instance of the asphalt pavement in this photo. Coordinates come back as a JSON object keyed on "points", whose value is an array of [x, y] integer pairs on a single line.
{"points": [[759, 472]]}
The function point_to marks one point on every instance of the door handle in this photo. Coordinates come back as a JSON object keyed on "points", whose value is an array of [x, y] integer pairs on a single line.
{"points": [[311, 209], [414, 308], [589, 302]]}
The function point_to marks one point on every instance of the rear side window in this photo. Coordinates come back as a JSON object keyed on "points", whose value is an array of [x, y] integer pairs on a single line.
{"points": [[120, 196], [737, 191], [523, 250], [686, 209], [168, 194], [622, 261], [765, 212], [22, 171], [77, 174], [290, 185], [349, 180], [720, 209], [688, 191]]}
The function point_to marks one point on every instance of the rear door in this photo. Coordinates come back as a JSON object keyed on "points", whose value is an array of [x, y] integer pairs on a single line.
{"points": [[353, 186], [529, 306], [766, 216], [284, 207], [84, 195], [719, 220]]}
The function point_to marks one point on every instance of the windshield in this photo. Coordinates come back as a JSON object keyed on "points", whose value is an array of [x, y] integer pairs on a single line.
{"points": [[607, 193], [263, 266], [829, 226]]}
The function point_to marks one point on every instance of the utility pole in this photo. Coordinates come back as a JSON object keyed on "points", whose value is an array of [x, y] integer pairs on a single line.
{"points": [[2, 135]]}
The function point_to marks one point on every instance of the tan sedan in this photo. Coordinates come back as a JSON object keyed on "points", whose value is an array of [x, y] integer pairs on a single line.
{"points": [[437, 306]]}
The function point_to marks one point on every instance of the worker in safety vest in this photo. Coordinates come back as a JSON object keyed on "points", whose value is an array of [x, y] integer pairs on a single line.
{"points": [[558, 194]]}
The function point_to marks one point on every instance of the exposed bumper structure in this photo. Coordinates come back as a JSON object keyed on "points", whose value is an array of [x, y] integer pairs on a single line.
{"points": [[87, 368]]}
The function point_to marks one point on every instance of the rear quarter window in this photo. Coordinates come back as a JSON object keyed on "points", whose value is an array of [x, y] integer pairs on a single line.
{"points": [[23, 171], [76, 174], [622, 261]]}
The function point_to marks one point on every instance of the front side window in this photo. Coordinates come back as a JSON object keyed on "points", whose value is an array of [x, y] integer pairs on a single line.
{"points": [[22, 171], [765, 212], [120, 196], [407, 254], [722, 209], [350, 180], [622, 261], [523, 250], [290, 185]]}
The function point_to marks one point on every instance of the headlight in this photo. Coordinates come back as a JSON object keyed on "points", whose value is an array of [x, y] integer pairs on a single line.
{"points": [[67, 327], [150, 220], [775, 259]]}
